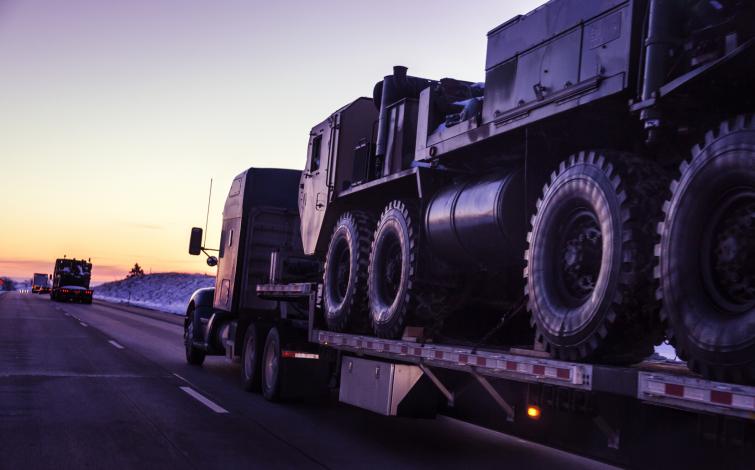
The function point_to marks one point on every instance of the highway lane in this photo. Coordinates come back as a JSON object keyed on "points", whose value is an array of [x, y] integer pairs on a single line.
{"points": [[104, 386]]}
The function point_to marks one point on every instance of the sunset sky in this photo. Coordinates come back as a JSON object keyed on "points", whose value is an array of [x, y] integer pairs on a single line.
{"points": [[114, 115]]}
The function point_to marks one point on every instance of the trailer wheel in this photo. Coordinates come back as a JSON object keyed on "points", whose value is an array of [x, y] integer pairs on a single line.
{"points": [[590, 285], [251, 355], [345, 277], [194, 356], [271, 366], [706, 255], [392, 284]]}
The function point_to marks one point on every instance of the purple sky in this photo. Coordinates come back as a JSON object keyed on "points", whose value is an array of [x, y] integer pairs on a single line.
{"points": [[115, 114]]}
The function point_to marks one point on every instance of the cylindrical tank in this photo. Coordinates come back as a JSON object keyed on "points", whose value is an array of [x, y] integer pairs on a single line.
{"points": [[221, 333], [479, 223]]}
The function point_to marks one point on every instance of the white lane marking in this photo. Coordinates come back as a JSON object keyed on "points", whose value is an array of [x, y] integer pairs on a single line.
{"points": [[181, 378], [83, 324], [203, 400], [115, 343], [67, 314]]}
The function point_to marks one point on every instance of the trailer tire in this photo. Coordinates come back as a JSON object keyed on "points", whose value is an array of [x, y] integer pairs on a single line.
{"points": [[194, 356], [706, 255], [392, 284], [345, 272], [251, 358], [272, 366], [590, 285]]}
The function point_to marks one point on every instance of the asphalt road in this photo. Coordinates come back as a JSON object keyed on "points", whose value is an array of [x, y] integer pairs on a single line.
{"points": [[98, 386]]}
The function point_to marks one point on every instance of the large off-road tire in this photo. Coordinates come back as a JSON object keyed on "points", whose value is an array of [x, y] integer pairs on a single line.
{"points": [[251, 358], [272, 363], [590, 286], [345, 276], [392, 286], [706, 255], [194, 356]]}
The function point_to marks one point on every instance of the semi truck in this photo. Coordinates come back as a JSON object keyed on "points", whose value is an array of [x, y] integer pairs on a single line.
{"points": [[40, 284], [510, 252], [70, 281]]}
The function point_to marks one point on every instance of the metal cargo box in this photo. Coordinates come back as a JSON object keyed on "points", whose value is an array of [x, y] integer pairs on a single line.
{"points": [[376, 386], [564, 49]]}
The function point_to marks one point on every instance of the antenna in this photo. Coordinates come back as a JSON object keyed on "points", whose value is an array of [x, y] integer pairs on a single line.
{"points": [[207, 218]]}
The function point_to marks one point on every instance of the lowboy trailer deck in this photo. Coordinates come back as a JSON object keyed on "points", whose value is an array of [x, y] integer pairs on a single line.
{"points": [[623, 414]]}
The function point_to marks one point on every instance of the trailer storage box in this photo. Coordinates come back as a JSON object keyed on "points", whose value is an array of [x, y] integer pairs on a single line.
{"points": [[386, 388]]}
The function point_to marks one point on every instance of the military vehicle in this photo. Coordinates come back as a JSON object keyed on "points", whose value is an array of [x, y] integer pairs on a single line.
{"points": [[604, 173]]}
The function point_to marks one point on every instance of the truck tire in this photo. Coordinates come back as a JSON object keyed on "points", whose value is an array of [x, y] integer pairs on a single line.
{"points": [[392, 284], [251, 354], [706, 255], [345, 276], [194, 356], [590, 286], [271, 366]]}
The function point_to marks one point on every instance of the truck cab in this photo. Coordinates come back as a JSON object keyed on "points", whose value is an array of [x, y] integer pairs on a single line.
{"points": [[260, 217]]}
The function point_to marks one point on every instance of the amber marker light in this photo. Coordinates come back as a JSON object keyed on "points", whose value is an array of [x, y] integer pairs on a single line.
{"points": [[533, 412]]}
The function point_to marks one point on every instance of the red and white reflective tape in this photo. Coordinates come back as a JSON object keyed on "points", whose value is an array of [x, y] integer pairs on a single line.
{"points": [[501, 363], [299, 355], [697, 392]]}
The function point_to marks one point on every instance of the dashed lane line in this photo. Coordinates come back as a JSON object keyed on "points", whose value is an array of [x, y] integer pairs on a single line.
{"points": [[83, 324], [204, 400], [181, 378], [116, 344]]}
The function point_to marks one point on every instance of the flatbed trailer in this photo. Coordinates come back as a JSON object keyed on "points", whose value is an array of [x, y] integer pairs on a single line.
{"points": [[632, 415]]}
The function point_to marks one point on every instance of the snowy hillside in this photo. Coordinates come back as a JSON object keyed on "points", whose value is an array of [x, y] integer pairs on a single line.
{"points": [[168, 292]]}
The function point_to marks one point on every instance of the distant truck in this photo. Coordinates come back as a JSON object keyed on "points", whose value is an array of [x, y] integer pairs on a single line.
{"points": [[40, 283], [70, 281]]}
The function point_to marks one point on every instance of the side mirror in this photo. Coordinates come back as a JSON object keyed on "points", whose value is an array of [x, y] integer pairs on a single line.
{"points": [[195, 242], [212, 261]]}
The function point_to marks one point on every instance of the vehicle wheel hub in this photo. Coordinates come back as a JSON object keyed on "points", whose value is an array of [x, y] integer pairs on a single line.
{"points": [[732, 254], [581, 254]]}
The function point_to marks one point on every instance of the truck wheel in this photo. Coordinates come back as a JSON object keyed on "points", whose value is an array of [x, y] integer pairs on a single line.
{"points": [[194, 356], [345, 277], [271, 366], [706, 255], [250, 359], [392, 284], [590, 285]]}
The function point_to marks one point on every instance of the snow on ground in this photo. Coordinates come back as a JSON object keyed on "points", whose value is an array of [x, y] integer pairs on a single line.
{"points": [[667, 352], [167, 292]]}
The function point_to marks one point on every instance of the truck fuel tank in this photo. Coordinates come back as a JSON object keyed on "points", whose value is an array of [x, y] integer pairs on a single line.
{"points": [[479, 223]]}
